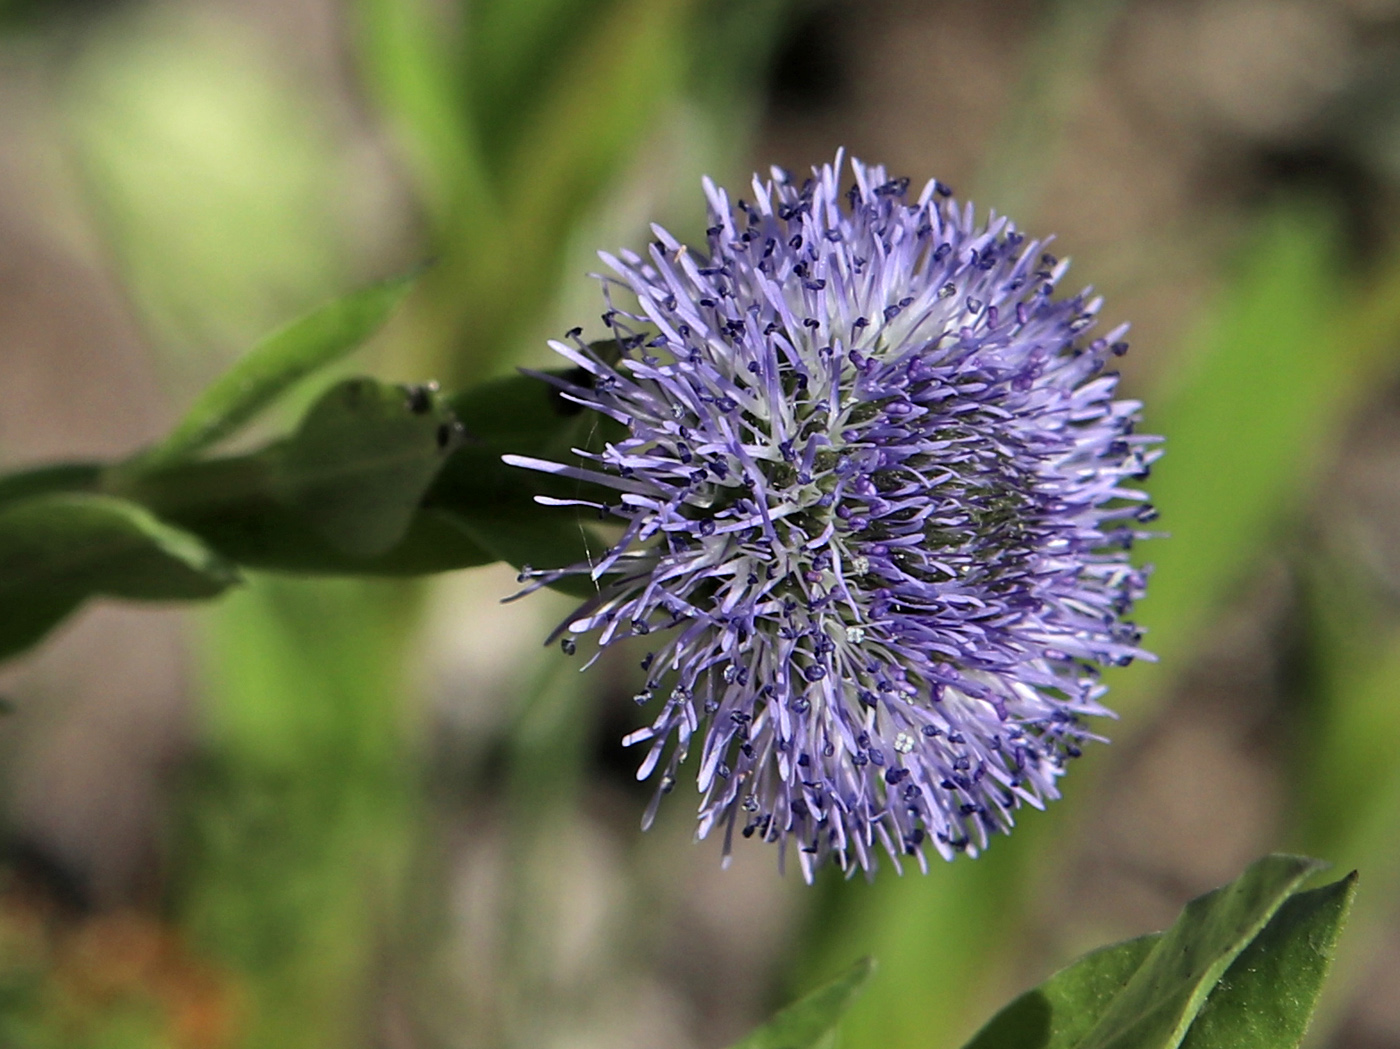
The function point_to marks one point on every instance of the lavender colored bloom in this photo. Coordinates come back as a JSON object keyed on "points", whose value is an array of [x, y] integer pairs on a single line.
{"points": [[875, 501]]}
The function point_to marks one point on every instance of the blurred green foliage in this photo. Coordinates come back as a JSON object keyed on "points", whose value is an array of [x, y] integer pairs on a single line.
{"points": [[214, 175]]}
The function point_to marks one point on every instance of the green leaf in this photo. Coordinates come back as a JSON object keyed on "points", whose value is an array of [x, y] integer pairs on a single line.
{"points": [[809, 1022], [43, 480], [57, 550], [1267, 996], [493, 502], [378, 480], [362, 460], [1159, 1003], [232, 505], [279, 361], [1062, 1010], [367, 487], [1147, 991]]}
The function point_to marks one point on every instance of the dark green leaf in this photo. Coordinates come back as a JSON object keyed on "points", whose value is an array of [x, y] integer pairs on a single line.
{"points": [[271, 367], [1266, 997], [1062, 1010], [366, 486], [232, 505], [1159, 1003], [61, 477], [362, 460], [809, 1021], [57, 550], [493, 502]]}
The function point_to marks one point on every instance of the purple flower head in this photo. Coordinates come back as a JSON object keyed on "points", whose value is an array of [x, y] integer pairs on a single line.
{"points": [[875, 503]]}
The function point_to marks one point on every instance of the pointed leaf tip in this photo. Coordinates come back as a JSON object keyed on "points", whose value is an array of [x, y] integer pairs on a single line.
{"points": [[1266, 998], [809, 1022]]}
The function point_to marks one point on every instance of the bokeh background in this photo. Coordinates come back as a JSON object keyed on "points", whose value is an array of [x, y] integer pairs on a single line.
{"points": [[352, 814]]}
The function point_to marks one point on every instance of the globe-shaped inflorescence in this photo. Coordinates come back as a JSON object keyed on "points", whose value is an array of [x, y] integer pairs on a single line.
{"points": [[875, 503]]}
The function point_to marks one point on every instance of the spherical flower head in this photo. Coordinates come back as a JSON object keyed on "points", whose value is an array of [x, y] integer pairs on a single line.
{"points": [[875, 503]]}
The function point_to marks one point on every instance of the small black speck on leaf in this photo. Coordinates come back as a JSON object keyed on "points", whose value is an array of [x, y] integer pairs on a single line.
{"points": [[420, 397]]}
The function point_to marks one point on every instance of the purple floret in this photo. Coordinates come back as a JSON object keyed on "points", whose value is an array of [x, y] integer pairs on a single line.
{"points": [[875, 501]]}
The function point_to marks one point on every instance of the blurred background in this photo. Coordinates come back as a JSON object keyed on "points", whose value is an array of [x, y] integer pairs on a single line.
{"points": [[379, 814]]}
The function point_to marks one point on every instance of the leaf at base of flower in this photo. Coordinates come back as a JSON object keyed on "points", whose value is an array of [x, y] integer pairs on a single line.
{"points": [[365, 454], [58, 550]]}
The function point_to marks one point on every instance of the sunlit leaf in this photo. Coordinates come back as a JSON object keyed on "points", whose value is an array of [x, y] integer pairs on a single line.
{"points": [[1062, 1010], [1251, 952], [1162, 999], [1267, 996], [808, 1022]]}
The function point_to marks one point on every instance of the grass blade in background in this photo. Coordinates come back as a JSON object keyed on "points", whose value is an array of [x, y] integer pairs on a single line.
{"points": [[1257, 409], [512, 61], [500, 236], [1345, 793], [1059, 63], [297, 823], [217, 185], [410, 51]]}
